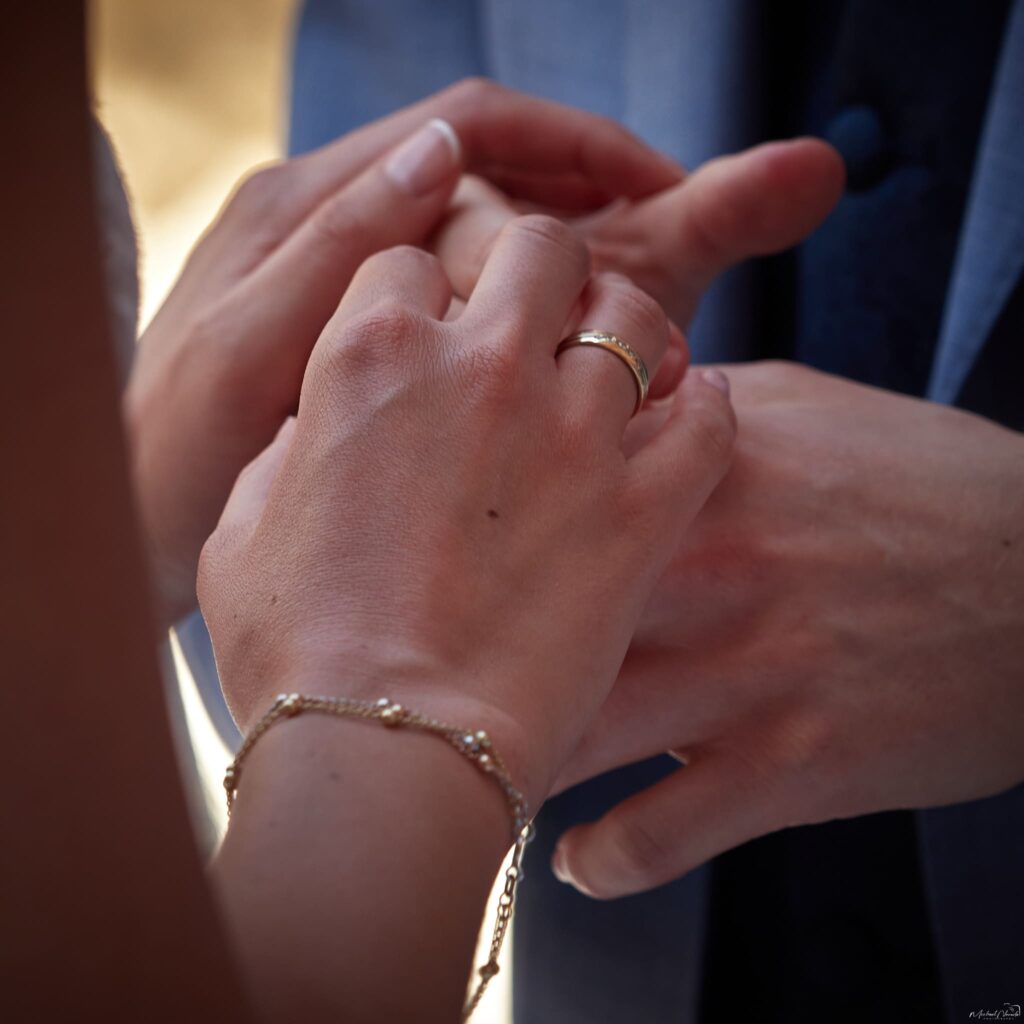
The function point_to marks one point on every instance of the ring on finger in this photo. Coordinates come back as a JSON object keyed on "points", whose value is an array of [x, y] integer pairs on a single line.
{"points": [[617, 347]]}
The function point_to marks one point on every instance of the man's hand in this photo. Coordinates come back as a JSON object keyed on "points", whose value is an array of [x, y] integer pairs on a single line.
{"points": [[675, 243], [220, 367], [842, 632]]}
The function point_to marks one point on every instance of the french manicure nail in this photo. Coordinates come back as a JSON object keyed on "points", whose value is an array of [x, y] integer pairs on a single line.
{"points": [[426, 159], [559, 867], [716, 379]]}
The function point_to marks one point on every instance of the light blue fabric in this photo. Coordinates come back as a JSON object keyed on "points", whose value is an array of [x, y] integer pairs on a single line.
{"points": [[990, 257]]}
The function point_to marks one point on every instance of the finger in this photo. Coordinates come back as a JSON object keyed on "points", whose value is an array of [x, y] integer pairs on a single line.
{"points": [[249, 495], [775, 380], [464, 239], [673, 366], [499, 126], [530, 283], [761, 201], [674, 474], [291, 295], [455, 309], [633, 725], [599, 387], [570, 192], [404, 278], [712, 805]]}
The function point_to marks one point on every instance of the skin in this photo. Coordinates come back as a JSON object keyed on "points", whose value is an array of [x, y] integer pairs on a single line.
{"points": [[840, 634], [674, 243], [220, 367], [439, 498]]}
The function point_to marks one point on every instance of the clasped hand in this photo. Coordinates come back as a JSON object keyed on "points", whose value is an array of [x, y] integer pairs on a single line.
{"points": [[459, 519]]}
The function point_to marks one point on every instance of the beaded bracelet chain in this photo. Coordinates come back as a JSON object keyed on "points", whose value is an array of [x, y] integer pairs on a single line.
{"points": [[475, 746]]}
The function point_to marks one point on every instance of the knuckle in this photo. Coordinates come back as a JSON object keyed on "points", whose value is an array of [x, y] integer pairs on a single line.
{"points": [[259, 193], [540, 230], [339, 222], [401, 262], [377, 336], [378, 332], [212, 361]]}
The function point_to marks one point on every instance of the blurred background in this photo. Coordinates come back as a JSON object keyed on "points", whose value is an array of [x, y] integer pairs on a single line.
{"points": [[194, 94]]}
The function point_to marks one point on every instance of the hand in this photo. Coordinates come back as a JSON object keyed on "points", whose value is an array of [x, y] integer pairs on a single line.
{"points": [[220, 367], [452, 522], [675, 243], [840, 632]]}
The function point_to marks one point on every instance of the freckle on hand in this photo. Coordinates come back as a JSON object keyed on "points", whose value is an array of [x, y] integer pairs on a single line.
{"points": [[492, 513]]}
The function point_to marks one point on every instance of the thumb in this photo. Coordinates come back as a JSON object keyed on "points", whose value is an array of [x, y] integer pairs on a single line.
{"points": [[699, 811], [753, 203]]}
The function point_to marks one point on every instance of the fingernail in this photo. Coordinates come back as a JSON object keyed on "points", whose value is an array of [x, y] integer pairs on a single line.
{"points": [[559, 867], [716, 379], [426, 159]]}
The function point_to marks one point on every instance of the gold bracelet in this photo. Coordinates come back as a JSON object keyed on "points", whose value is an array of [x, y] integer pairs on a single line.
{"points": [[474, 745]]}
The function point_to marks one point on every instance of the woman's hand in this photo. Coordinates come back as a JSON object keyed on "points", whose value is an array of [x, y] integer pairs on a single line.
{"points": [[219, 368], [452, 521]]}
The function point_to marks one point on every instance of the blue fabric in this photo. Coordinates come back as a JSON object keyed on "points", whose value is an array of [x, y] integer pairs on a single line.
{"points": [[990, 259], [356, 61], [904, 103]]}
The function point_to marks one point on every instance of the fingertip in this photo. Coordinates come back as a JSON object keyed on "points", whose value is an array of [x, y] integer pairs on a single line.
{"points": [[428, 160], [703, 420], [807, 171], [766, 199], [716, 379], [562, 866], [450, 135], [559, 867], [707, 393]]}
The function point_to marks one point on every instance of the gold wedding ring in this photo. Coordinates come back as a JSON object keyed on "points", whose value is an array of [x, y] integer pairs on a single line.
{"points": [[617, 347]]}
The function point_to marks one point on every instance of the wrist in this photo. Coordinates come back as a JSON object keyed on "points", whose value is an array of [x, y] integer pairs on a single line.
{"points": [[369, 824], [427, 691]]}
